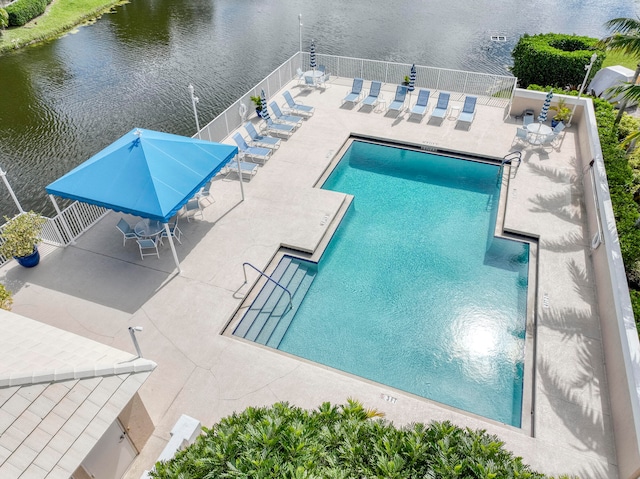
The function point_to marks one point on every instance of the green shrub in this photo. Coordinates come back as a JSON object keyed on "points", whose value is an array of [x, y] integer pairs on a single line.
{"points": [[554, 59], [22, 11], [628, 124], [339, 442]]}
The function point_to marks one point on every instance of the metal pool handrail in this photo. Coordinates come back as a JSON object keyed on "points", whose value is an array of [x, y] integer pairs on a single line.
{"points": [[244, 270]]}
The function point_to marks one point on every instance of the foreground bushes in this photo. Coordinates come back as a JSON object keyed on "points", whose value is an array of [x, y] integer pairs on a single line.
{"points": [[283, 441], [554, 59], [22, 11]]}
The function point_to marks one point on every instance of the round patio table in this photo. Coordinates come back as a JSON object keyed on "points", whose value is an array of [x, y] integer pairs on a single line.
{"points": [[538, 132], [315, 74], [148, 228]]}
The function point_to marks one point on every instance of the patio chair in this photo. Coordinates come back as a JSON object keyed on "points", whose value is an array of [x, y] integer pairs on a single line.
{"points": [[260, 140], [420, 108], [193, 208], [297, 108], [372, 98], [468, 112], [148, 244], [522, 135], [255, 152], [205, 193], [309, 82], [322, 68], [355, 94], [527, 119], [559, 127], [174, 231], [281, 117], [442, 107], [398, 102], [300, 75], [247, 170], [280, 129], [126, 230]]}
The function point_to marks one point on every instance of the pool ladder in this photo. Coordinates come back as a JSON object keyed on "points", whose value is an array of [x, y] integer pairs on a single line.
{"points": [[244, 270], [509, 159]]}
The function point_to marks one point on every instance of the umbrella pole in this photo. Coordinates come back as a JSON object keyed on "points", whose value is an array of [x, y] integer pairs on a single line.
{"points": [[173, 247], [240, 157]]}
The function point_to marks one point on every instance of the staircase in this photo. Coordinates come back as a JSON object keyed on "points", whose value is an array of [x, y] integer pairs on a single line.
{"points": [[267, 319]]}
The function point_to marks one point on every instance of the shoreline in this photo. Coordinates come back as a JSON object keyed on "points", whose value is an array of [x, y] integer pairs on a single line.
{"points": [[58, 19]]}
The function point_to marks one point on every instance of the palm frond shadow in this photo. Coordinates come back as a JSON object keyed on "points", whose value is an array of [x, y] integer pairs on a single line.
{"points": [[557, 205], [568, 321], [582, 282], [572, 241], [553, 174]]}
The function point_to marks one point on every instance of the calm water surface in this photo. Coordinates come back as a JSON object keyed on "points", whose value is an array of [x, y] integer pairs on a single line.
{"points": [[64, 101]]}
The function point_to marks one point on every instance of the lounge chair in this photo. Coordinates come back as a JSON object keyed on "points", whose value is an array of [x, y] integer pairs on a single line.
{"points": [[442, 107], [468, 112], [372, 98], [420, 108], [280, 129], [281, 117], [126, 230], [356, 92], [398, 102], [255, 152], [247, 170], [147, 244], [259, 140], [297, 108]]}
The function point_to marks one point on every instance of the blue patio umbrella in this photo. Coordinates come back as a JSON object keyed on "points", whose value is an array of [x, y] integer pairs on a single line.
{"points": [[412, 80], [542, 117], [264, 113], [312, 56]]}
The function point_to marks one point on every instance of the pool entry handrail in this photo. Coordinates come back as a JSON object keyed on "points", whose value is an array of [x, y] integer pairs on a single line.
{"points": [[244, 270]]}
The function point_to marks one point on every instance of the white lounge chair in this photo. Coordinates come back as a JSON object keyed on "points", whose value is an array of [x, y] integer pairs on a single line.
{"points": [[420, 108], [356, 92], [468, 112], [398, 102], [255, 152], [261, 140], [281, 117], [373, 97], [247, 170], [442, 107], [297, 108], [280, 129]]}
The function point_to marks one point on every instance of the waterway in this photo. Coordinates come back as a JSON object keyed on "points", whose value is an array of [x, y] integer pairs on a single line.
{"points": [[63, 101]]}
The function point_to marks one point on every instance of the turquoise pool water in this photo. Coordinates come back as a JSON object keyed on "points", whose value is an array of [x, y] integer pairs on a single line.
{"points": [[414, 291]]}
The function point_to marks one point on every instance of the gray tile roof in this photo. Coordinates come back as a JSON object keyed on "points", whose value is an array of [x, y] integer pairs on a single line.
{"points": [[59, 393]]}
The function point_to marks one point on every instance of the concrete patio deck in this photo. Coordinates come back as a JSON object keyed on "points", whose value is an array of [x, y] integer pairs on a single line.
{"points": [[98, 288]]}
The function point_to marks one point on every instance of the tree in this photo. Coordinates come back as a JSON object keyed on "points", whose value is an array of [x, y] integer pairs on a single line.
{"points": [[625, 39]]}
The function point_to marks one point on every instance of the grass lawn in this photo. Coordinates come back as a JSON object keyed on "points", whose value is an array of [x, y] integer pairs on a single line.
{"points": [[60, 17], [614, 58]]}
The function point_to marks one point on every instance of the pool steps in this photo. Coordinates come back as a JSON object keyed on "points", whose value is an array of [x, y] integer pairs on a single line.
{"points": [[267, 319]]}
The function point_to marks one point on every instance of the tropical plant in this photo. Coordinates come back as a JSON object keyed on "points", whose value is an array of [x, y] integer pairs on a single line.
{"points": [[563, 113], [21, 235], [257, 101], [339, 442], [4, 19], [6, 298], [625, 39]]}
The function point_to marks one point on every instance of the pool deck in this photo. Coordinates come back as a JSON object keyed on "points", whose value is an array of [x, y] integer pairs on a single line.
{"points": [[98, 288]]}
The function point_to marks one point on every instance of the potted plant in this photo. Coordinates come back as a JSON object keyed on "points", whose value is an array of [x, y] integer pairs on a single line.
{"points": [[563, 113], [257, 101], [20, 237], [406, 80], [6, 298]]}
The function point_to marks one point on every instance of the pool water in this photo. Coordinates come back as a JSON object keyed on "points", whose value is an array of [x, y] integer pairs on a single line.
{"points": [[414, 291]]}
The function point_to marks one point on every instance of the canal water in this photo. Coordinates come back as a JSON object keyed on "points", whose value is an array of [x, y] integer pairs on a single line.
{"points": [[62, 102]]}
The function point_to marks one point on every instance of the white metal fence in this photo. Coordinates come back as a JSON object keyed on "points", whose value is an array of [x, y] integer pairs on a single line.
{"points": [[492, 89]]}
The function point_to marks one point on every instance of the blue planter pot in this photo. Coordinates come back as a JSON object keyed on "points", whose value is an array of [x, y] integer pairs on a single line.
{"points": [[554, 123], [29, 261]]}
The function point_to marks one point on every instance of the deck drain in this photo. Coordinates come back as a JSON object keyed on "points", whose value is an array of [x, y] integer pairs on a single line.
{"points": [[388, 398], [545, 300], [325, 218]]}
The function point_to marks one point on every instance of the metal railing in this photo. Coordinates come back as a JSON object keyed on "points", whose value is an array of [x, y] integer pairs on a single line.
{"points": [[495, 90], [244, 270]]}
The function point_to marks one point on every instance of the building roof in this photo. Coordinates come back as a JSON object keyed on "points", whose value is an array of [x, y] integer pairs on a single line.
{"points": [[59, 392]]}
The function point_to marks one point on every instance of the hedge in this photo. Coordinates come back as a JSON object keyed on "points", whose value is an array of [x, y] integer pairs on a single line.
{"points": [[22, 11], [554, 59]]}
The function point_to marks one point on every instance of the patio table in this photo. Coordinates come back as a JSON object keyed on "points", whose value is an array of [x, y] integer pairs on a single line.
{"points": [[537, 132], [147, 228], [315, 74]]}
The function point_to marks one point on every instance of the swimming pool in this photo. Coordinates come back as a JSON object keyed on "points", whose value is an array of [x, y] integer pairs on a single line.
{"points": [[414, 291]]}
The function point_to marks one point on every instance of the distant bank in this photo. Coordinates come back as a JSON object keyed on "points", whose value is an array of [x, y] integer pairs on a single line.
{"points": [[60, 17]]}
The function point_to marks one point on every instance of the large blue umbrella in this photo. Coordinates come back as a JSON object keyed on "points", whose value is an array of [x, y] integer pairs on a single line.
{"points": [[312, 56], [264, 113], [542, 117], [412, 80]]}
